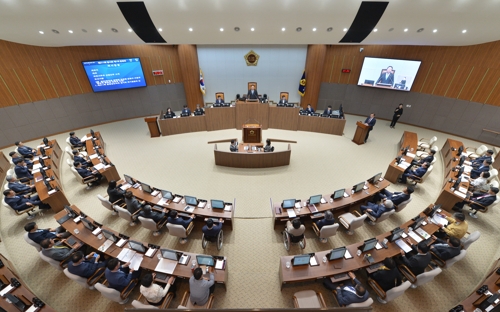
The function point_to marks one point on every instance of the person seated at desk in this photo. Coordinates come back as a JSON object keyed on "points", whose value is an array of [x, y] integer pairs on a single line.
{"points": [[24, 150], [419, 172], [428, 159], [85, 172], [175, 219], [396, 197], [351, 292], [79, 157], [148, 213], [75, 141], [328, 111], [416, 263], [234, 146], [210, 230], [219, 100], [446, 250], [85, 266], [327, 220], [154, 293], [169, 113], [119, 276], [309, 109], [20, 203], [295, 228], [481, 183], [252, 93], [386, 77], [199, 110], [476, 199], [115, 193], [17, 158], [457, 227], [132, 203], [55, 250], [485, 166], [377, 210], [200, 288], [185, 111], [388, 275], [19, 188], [268, 148], [283, 100], [478, 161], [22, 171], [38, 235]]}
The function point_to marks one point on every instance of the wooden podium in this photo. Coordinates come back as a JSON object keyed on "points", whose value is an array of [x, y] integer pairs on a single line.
{"points": [[153, 126], [252, 133], [361, 131]]}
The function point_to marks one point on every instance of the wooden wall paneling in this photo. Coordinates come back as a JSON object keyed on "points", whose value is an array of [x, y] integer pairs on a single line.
{"points": [[487, 86], [329, 61], [164, 65], [458, 81], [29, 83], [146, 67], [493, 97], [188, 60], [6, 97], [348, 63], [69, 78], [53, 73], [15, 86], [471, 82], [444, 78], [315, 61], [432, 77], [81, 76], [44, 82]]}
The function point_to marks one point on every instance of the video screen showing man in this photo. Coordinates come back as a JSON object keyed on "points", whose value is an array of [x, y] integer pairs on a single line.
{"points": [[386, 77]]}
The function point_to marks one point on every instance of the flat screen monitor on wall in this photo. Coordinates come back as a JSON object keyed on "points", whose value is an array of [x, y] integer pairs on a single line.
{"points": [[388, 73], [115, 74]]}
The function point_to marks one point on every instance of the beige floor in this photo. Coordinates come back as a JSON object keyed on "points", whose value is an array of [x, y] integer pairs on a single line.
{"points": [[184, 164]]}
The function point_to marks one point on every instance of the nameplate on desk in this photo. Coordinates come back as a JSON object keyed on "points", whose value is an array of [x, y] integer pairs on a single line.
{"points": [[121, 242], [36, 171], [291, 213], [365, 187], [410, 155], [155, 193], [96, 231], [378, 246], [347, 254], [346, 195], [150, 253], [459, 194], [323, 201], [202, 204], [93, 156], [52, 191], [220, 264], [6, 290], [37, 166], [33, 308], [177, 200], [228, 207]]}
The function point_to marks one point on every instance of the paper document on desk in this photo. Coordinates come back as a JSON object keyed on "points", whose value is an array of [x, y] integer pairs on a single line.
{"points": [[166, 266], [33, 308], [135, 262], [468, 163], [228, 207], [162, 202], [93, 156], [404, 165], [291, 213], [415, 237], [462, 189], [126, 255], [404, 246], [459, 194], [99, 166], [467, 169], [154, 193], [220, 264], [437, 219], [297, 205], [347, 254], [410, 155], [125, 186], [36, 166], [422, 233], [106, 245]]}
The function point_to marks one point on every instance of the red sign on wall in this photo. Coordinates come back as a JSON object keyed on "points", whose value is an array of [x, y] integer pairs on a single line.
{"points": [[158, 72], [346, 71]]}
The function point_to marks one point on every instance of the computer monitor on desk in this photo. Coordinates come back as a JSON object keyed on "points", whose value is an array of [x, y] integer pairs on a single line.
{"points": [[170, 254], [288, 203], [368, 245], [460, 150], [337, 253], [146, 188], [316, 199], [375, 178], [460, 171], [456, 185], [395, 234], [167, 194], [301, 260], [190, 200], [217, 204], [205, 260], [110, 235], [358, 187], [418, 222], [89, 225], [338, 194], [137, 246], [461, 161]]}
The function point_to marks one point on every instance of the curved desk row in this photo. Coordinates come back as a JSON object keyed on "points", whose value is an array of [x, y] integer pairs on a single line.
{"points": [[280, 215], [408, 139], [269, 116], [252, 159], [108, 171], [148, 263]]}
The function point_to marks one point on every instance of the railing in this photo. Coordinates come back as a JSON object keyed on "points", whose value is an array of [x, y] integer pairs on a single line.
{"points": [[488, 130]]}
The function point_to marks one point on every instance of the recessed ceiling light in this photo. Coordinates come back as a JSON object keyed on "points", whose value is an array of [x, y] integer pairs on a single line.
{"points": [[435, 30], [299, 29], [329, 29], [70, 31], [375, 30], [406, 29], [41, 32], [420, 30], [314, 29], [283, 29], [222, 29], [464, 31], [236, 29], [99, 30], [159, 29], [252, 29], [130, 30], [55, 31], [190, 29], [345, 29]]}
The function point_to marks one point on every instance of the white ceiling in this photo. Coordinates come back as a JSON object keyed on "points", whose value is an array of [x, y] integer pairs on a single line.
{"points": [[21, 21]]}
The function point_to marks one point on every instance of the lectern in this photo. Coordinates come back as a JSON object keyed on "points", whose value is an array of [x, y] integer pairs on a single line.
{"points": [[361, 131], [153, 126], [252, 133]]}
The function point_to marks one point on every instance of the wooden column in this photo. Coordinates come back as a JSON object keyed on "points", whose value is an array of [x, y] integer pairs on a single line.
{"points": [[315, 61], [188, 58]]}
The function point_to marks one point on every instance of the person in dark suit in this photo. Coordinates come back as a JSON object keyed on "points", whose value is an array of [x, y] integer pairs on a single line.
{"points": [[85, 266], [132, 203], [268, 148], [22, 171], [119, 276], [283, 100], [20, 203], [78, 157], [377, 210], [55, 250], [370, 122], [479, 161], [475, 173], [419, 261], [24, 150], [211, 230], [38, 235], [396, 197], [115, 193], [84, 172], [16, 158], [446, 249], [352, 292], [169, 113], [327, 220], [148, 213], [175, 219], [252, 93], [309, 109], [387, 276], [397, 113], [328, 111], [19, 188], [428, 159], [483, 199], [386, 77], [234, 146], [199, 110], [186, 111], [219, 100], [75, 141], [419, 172]]}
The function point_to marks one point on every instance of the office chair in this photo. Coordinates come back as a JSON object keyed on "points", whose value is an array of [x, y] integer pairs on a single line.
{"points": [[125, 214], [423, 154], [493, 174], [450, 262], [484, 208], [107, 204], [308, 299], [115, 295], [352, 221], [476, 152], [391, 294], [471, 238], [59, 265], [31, 242], [422, 278], [384, 216], [69, 162], [142, 303], [416, 180], [179, 231], [187, 304], [426, 145], [365, 304], [213, 239], [29, 211], [88, 283], [402, 206], [325, 232], [85, 181], [151, 225], [72, 146]]}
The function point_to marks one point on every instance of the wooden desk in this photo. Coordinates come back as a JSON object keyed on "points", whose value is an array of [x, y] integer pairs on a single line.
{"points": [[321, 125], [338, 206], [22, 292], [86, 236], [393, 170], [55, 154], [152, 122], [219, 118], [4, 166], [449, 155], [252, 111], [311, 273], [249, 159], [447, 198], [201, 213], [110, 173], [179, 125], [286, 118], [57, 200], [491, 281]]}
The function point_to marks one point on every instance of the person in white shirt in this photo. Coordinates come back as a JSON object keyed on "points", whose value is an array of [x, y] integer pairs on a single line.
{"points": [[154, 293], [481, 183]]}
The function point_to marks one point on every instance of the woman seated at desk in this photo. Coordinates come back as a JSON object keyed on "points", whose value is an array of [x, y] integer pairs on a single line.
{"points": [[169, 114]]}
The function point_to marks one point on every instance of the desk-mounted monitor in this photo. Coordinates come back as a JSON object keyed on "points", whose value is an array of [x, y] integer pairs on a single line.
{"points": [[137, 246], [358, 187], [169, 254], [288, 203], [110, 235], [316, 199], [146, 188], [167, 194], [89, 225], [190, 200], [375, 178], [395, 234], [128, 179], [301, 260], [338, 194], [368, 245], [337, 253], [205, 260], [217, 204]]}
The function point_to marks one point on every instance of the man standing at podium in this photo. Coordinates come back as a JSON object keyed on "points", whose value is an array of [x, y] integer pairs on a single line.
{"points": [[252, 93], [370, 121]]}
